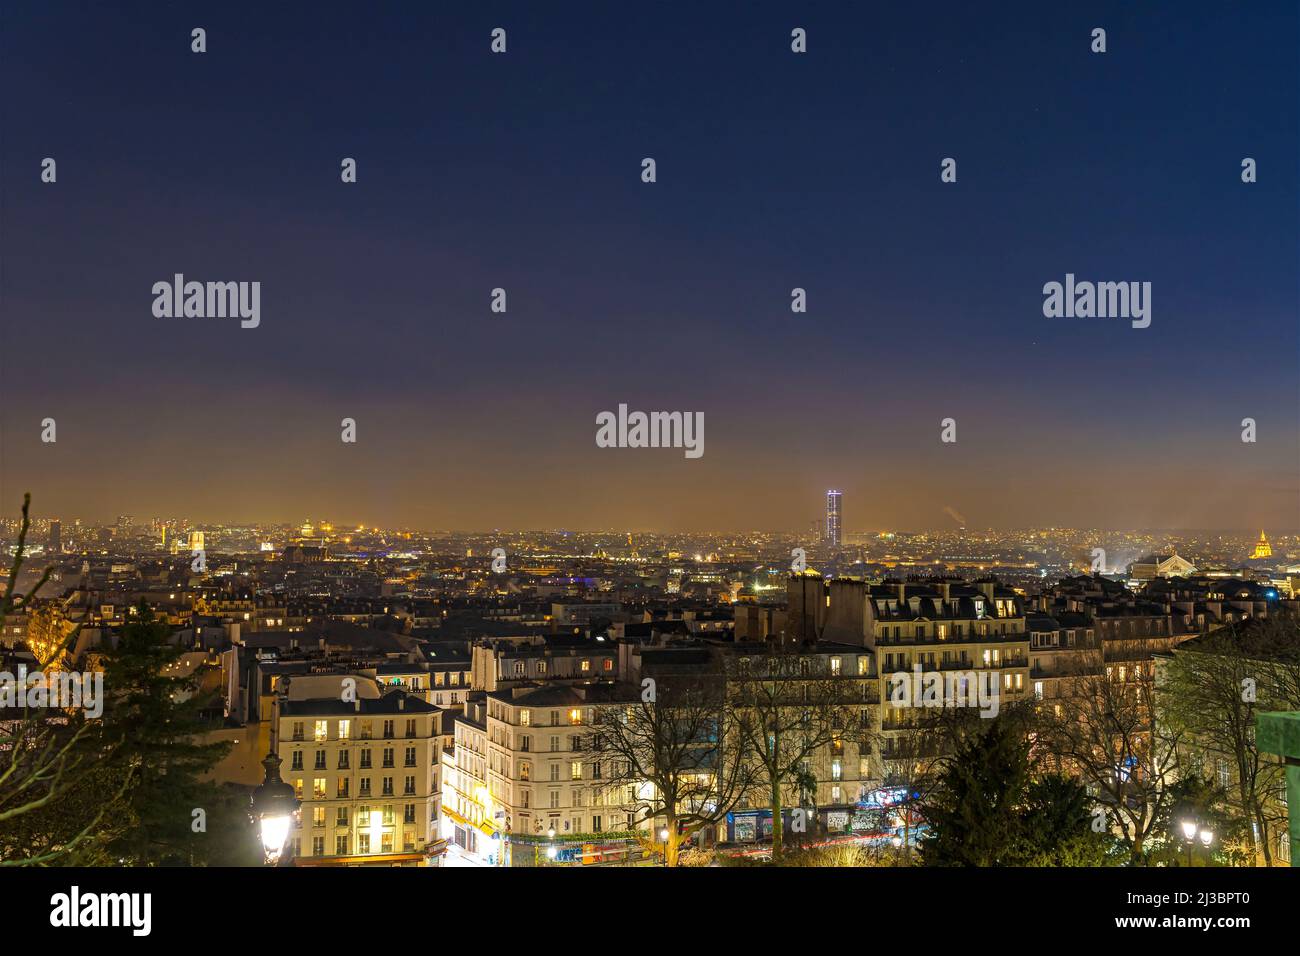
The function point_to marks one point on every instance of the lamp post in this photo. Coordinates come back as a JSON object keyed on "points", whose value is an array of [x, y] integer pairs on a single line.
{"points": [[1193, 832], [272, 807], [274, 804]]}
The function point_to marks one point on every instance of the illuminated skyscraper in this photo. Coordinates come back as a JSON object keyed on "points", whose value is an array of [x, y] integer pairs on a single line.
{"points": [[56, 537], [833, 501]]}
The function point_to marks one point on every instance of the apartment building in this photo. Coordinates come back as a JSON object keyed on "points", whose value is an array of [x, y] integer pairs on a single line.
{"points": [[368, 775], [966, 633]]}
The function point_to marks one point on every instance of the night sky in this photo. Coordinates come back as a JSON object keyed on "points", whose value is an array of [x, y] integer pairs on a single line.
{"points": [[775, 170]]}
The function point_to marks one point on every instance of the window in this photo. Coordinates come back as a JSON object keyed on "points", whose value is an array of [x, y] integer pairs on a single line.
{"points": [[525, 718], [388, 729], [388, 787], [585, 666], [320, 760], [365, 759], [410, 757], [596, 825], [835, 666], [343, 760], [341, 845], [575, 770], [363, 841], [525, 743], [862, 665], [296, 761], [410, 726], [317, 816], [388, 756], [297, 730], [318, 846], [318, 788], [341, 819], [575, 716], [555, 771], [410, 786], [408, 813], [608, 664], [343, 787], [525, 771], [345, 730], [322, 729], [365, 786]]}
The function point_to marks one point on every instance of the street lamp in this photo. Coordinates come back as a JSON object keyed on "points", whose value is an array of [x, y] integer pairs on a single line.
{"points": [[1193, 831], [272, 808]]}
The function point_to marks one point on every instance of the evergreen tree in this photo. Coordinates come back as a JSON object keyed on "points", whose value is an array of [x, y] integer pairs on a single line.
{"points": [[155, 715], [990, 807], [973, 814]]}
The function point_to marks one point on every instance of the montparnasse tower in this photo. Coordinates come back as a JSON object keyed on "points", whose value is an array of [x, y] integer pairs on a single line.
{"points": [[1262, 548]]}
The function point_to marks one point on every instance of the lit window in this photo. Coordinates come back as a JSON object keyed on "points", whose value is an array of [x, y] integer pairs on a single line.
{"points": [[575, 716], [525, 717]]}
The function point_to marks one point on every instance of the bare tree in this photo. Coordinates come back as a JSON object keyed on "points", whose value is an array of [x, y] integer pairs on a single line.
{"points": [[667, 759], [790, 712], [41, 751], [1212, 691], [1102, 730]]}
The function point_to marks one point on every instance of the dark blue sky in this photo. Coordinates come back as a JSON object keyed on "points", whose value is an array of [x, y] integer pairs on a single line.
{"points": [[775, 170]]}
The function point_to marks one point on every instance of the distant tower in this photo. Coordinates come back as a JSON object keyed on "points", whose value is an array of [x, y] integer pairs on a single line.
{"points": [[1262, 548], [833, 513], [56, 537]]}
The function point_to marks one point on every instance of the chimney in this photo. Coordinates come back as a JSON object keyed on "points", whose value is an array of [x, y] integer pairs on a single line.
{"points": [[902, 592]]}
